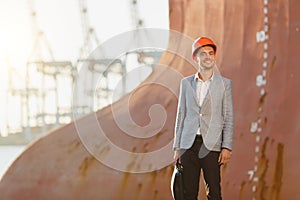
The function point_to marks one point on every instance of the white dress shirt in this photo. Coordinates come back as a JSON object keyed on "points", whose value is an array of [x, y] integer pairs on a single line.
{"points": [[201, 90]]}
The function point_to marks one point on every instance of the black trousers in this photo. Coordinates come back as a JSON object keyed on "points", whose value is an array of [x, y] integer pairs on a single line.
{"points": [[195, 159]]}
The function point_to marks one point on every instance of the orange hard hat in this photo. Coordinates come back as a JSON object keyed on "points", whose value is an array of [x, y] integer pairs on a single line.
{"points": [[201, 42]]}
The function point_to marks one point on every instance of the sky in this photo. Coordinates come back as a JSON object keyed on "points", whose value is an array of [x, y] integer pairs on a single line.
{"points": [[61, 24], [60, 21]]}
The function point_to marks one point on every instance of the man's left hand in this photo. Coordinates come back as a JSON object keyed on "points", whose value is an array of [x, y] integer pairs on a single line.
{"points": [[224, 156]]}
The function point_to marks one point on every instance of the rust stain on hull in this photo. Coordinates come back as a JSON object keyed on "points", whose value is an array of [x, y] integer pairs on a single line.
{"points": [[278, 173], [262, 172], [86, 163]]}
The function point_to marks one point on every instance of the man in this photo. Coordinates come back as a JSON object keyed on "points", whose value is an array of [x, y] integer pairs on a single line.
{"points": [[204, 123]]}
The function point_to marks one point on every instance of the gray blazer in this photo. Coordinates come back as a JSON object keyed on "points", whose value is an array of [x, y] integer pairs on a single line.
{"points": [[215, 117]]}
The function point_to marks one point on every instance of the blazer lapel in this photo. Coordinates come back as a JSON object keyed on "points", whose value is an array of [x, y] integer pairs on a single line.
{"points": [[211, 89], [193, 85]]}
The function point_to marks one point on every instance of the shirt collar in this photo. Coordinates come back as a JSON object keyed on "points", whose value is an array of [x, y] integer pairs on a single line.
{"points": [[196, 77]]}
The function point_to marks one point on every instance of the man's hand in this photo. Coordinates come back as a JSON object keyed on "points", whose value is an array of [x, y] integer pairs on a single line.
{"points": [[176, 154], [224, 156]]}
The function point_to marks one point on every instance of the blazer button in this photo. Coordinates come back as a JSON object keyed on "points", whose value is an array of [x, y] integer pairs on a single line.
{"points": [[200, 114]]}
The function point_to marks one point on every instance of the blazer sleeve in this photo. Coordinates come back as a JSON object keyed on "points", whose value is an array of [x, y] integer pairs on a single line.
{"points": [[228, 116], [181, 111]]}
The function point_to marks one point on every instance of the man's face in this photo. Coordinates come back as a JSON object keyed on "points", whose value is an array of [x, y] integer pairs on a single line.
{"points": [[205, 57]]}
